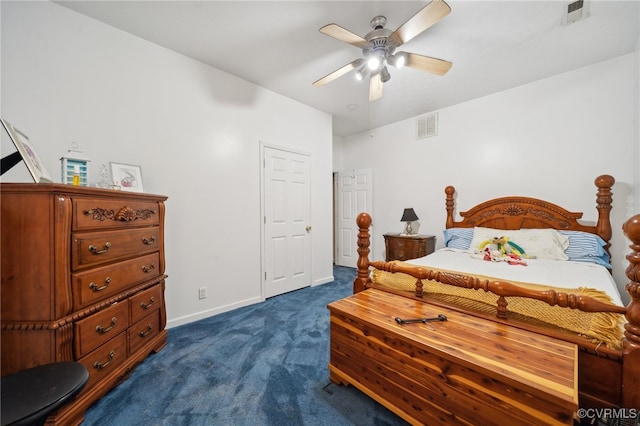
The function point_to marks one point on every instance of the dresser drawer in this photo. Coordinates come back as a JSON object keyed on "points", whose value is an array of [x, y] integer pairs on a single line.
{"points": [[404, 247], [95, 248], [93, 213], [95, 330], [399, 254], [143, 303], [408, 244], [144, 331], [107, 358], [91, 286]]}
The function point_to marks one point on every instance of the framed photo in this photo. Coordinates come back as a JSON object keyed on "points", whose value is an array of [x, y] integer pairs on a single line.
{"points": [[127, 176], [28, 153]]}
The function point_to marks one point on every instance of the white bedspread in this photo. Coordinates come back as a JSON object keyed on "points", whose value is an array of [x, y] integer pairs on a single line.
{"points": [[554, 273]]}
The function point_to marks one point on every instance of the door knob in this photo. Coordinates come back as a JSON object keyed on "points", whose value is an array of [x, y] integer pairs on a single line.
{"points": [[308, 228]]}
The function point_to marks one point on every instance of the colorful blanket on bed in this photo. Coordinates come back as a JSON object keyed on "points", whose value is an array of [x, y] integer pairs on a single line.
{"points": [[604, 327]]}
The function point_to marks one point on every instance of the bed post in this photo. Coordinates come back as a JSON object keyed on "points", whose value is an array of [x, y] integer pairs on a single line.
{"points": [[631, 344], [603, 204], [364, 241], [450, 204]]}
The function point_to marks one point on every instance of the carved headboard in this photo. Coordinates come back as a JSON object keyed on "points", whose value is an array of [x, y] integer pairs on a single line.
{"points": [[524, 212]]}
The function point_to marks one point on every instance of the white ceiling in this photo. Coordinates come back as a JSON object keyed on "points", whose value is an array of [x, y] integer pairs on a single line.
{"points": [[494, 45]]}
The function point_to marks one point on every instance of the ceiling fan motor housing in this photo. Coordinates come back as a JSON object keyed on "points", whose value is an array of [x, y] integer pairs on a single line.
{"points": [[379, 41]]}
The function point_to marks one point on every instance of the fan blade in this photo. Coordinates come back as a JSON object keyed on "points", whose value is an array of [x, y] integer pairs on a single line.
{"points": [[375, 87], [338, 73], [427, 63], [425, 18], [339, 33]]}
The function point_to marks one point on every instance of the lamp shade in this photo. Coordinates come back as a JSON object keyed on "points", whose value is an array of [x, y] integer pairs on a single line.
{"points": [[409, 215]]}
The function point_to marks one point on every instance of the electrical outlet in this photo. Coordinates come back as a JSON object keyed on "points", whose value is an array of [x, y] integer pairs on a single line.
{"points": [[202, 293]]}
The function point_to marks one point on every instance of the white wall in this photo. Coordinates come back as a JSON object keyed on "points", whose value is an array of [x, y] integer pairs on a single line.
{"points": [[549, 139], [337, 153], [195, 130]]}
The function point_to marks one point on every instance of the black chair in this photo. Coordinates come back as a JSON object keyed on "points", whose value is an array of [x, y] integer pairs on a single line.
{"points": [[29, 396]]}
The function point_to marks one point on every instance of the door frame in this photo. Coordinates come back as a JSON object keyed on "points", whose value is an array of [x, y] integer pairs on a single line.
{"points": [[263, 146]]}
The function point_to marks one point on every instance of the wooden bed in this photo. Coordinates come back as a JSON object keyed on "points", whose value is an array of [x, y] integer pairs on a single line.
{"points": [[606, 377]]}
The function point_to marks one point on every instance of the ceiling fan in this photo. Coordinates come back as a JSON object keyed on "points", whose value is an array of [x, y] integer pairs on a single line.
{"points": [[378, 48]]}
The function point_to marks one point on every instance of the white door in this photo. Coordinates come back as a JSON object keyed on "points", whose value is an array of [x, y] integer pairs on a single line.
{"points": [[287, 222], [354, 197]]}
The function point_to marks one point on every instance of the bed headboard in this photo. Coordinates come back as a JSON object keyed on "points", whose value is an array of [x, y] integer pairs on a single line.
{"points": [[523, 212]]}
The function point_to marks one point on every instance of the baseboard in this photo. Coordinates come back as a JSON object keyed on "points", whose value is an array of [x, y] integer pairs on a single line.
{"points": [[196, 316], [325, 280]]}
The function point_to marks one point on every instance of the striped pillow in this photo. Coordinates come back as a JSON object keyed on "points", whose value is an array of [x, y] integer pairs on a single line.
{"points": [[458, 238], [586, 247]]}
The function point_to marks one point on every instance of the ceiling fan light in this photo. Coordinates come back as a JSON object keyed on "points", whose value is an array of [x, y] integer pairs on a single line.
{"points": [[360, 73], [398, 60], [373, 62]]}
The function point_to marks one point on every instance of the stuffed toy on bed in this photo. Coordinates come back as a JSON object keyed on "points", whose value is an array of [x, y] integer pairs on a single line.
{"points": [[500, 249], [503, 245]]}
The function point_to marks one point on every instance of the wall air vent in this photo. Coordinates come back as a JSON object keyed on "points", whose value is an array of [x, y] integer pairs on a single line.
{"points": [[575, 11], [427, 126]]}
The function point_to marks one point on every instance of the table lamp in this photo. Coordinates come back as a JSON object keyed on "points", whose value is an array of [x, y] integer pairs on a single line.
{"points": [[408, 216]]}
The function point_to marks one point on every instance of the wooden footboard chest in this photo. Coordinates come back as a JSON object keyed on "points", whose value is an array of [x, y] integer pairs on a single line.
{"points": [[465, 370]]}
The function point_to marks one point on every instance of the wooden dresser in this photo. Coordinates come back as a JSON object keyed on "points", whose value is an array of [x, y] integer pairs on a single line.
{"points": [[465, 370], [405, 247], [82, 280]]}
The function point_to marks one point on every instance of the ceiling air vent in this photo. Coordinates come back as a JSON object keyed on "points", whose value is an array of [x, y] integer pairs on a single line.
{"points": [[427, 126], [575, 11]]}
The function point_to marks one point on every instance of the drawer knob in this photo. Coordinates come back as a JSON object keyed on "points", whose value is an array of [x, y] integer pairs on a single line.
{"points": [[93, 249], [147, 269], [145, 333], [149, 241], [100, 329], [99, 366], [148, 305], [93, 286]]}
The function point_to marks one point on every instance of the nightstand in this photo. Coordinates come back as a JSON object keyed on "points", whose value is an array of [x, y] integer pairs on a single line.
{"points": [[404, 247]]}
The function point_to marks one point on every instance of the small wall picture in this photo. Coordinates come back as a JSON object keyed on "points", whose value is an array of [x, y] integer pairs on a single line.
{"points": [[127, 176], [28, 154]]}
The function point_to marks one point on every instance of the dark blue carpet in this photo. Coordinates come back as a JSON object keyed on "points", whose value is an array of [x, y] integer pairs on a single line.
{"points": [[264, 364]]}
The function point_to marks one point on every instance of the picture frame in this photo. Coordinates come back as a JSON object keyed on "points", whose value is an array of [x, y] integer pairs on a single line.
{"points": [[27, 153], [127, 177]]}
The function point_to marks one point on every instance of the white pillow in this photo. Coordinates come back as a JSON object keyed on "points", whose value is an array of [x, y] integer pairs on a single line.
{"points": [[539, 243]]}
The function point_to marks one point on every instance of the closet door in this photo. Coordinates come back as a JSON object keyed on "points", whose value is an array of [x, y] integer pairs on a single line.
{"points": [[287, 224]]}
